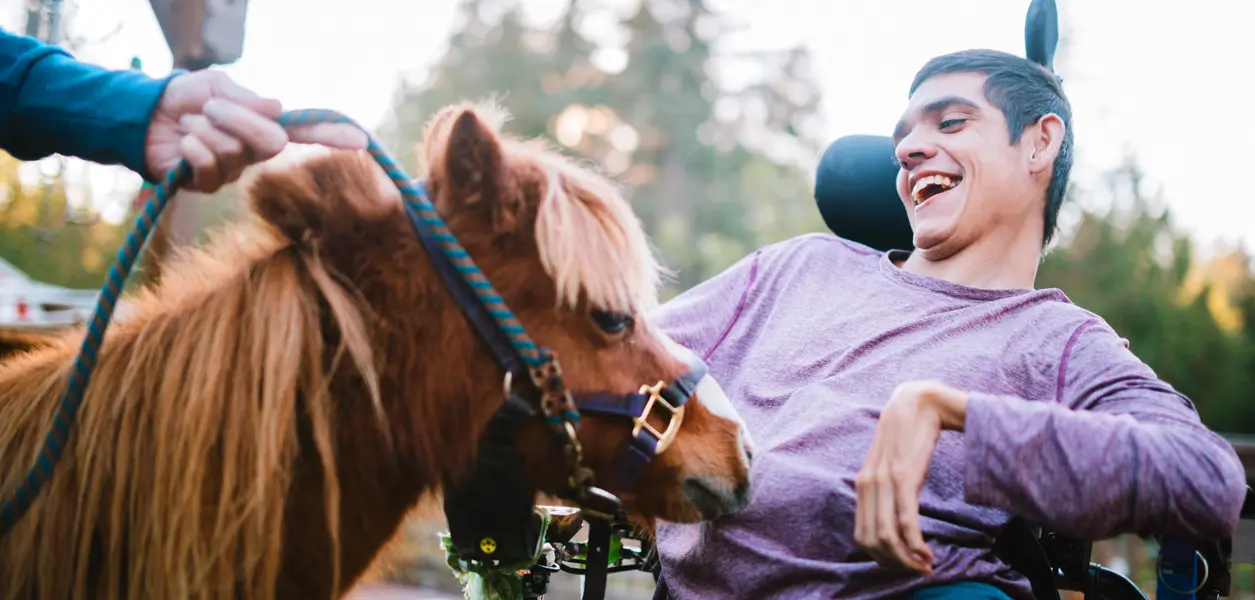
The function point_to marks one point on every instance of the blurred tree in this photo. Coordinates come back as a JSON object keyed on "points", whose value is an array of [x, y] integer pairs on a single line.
{"points": [[1186, 319], [50, 237], [714, 171], [492, 54]]}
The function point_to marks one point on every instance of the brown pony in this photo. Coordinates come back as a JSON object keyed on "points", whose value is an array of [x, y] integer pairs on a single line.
{"points": [[259, 423]]}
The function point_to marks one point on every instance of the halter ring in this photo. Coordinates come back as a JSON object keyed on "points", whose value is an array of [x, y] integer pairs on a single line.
{"points": [[673, 425]]}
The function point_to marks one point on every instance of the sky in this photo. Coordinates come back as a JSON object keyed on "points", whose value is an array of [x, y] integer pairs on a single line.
{"points": [[1167, 81]]}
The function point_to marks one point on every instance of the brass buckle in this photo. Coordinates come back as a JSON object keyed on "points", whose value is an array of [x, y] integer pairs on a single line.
{"points": [[642, 422]]}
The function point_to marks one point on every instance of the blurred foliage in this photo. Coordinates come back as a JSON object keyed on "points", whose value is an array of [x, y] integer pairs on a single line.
{"points": [[714, 169], [46, 234], [1189, 319]]}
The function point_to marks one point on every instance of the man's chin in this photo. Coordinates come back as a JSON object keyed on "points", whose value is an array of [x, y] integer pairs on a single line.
{"points": [[935, 243]]}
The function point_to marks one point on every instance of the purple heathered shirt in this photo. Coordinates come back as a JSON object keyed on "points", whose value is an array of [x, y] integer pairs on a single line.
{"points": [[1064, 426]]}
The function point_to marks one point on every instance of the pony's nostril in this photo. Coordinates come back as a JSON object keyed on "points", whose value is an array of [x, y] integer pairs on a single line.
{"points": [[747, 445]]}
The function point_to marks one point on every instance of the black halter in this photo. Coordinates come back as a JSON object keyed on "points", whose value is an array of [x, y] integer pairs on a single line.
{"points": [[490, 513]]}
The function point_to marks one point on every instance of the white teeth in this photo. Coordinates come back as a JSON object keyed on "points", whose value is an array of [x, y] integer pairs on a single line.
{"points": [[939, 180]]}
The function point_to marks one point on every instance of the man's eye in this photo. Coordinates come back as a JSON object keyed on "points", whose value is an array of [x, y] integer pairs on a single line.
{"points": [[948, 123]]}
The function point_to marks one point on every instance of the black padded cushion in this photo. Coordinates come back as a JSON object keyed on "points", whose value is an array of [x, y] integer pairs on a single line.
{"points": [[856, 189]]}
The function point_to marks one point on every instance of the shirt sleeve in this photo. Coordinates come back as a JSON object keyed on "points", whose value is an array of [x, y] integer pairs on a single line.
{"points": [[701, 318], [1118, 451], [50, 103]]}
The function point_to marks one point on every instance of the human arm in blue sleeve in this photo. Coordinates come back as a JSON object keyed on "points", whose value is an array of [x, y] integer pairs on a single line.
{"points": [[51, 103]]}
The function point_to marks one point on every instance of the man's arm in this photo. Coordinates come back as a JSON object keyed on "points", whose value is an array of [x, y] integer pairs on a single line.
{"points": [[51, 103], [1120, 451]]}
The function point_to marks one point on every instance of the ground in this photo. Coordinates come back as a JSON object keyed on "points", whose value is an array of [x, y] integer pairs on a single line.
{"points": [[380, 591]]}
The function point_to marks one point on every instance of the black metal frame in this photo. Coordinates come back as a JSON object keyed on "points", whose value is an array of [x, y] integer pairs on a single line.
{"points": [[1051, 561], [1055, 562]]}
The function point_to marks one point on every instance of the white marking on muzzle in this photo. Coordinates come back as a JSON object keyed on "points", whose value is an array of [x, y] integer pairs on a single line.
{"points": [[709, 393]]}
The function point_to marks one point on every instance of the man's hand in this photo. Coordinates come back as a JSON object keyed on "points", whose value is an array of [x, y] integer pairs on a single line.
{"points": [[221, 127], [886, 520]]}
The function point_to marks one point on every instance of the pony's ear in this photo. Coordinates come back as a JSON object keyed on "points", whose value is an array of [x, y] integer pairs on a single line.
{"points": [[466, 158], [321, 196], [287, 199]]}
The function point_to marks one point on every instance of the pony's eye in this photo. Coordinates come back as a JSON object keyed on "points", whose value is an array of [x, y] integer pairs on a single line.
{"points": [[612, 322]]}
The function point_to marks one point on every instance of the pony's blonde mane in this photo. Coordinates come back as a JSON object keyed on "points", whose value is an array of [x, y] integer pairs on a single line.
{"points": [[589, 239], [177, 473]]}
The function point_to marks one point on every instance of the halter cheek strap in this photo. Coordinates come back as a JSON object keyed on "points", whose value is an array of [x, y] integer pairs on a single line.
{"points": [[482, 321]]}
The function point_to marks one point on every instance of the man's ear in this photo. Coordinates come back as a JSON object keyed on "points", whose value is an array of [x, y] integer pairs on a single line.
{"points": [[1044, 139]]}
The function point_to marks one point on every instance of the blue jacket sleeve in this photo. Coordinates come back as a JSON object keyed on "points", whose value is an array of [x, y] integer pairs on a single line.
{"points": [[51, 103]]}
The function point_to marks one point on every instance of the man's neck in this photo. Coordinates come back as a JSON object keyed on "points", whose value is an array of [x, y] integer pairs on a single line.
{"points": [[991, 263]]}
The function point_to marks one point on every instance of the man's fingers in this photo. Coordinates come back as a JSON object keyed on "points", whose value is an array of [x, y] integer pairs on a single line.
{"points": [[865, 504], [887, 534], [908, 525], [261, 134], [862, 487], [336, 135], [205, 174]]}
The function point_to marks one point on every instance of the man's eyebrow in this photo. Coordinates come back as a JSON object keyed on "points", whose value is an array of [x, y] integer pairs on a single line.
{"points": [[932, 108]]}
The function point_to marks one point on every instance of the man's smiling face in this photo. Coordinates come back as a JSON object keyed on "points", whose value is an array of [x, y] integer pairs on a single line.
{"points": [[960, 178]]}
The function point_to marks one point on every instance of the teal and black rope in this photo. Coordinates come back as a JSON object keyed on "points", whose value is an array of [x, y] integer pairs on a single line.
{"points": [[19, 502]]}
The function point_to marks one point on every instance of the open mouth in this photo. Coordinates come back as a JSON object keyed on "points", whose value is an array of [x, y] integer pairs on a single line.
{"points": [[932, 185]]}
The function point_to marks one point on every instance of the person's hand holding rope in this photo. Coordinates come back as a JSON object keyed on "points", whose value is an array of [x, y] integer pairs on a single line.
{"points": [[221, 128]]}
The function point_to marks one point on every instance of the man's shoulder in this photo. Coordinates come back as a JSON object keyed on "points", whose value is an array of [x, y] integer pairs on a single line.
{"points": [[815, 253], [1051, 309], [821, 244]]}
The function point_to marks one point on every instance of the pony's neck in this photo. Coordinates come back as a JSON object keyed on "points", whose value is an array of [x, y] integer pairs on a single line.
{"points": [[436, 385]]}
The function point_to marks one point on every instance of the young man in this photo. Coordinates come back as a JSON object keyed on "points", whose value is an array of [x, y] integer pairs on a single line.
{"points": [[51, 103], [905, 405]]}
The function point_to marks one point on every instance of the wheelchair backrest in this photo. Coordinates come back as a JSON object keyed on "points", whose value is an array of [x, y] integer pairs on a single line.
{"points": [[856, 190]]}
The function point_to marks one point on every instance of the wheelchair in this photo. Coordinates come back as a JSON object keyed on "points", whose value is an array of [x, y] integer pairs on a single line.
{"points": [[857, 197], [856, 192]]}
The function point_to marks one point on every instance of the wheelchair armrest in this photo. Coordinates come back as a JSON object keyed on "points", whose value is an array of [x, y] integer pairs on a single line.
{"points": [[1219, 555], [1070, 568]]}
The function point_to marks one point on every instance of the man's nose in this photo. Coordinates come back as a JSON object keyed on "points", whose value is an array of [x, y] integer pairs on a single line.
{"points": [[913, 150]]}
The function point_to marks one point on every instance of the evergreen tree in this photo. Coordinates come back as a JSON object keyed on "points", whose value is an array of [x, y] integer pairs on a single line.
{"points": [[708, 188]]}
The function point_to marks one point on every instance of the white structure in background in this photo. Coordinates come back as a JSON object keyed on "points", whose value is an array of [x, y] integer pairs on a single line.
{"points": [[25, 302]]}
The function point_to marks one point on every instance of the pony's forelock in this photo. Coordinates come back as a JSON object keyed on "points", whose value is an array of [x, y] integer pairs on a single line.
{"points": [[590, 241]]}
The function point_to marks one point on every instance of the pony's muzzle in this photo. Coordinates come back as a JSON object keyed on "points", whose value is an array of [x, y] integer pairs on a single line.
{"points": [[714, 499], [711, 395], [715, 496]]}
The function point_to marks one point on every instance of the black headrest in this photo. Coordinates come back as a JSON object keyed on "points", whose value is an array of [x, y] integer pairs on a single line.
{"points": [[856, 189]]}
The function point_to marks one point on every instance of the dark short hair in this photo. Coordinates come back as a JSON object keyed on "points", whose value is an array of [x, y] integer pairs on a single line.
{"points": [[1025, 92]]}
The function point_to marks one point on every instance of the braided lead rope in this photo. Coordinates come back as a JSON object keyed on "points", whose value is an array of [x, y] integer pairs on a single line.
{"points": [[16, 506]]}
